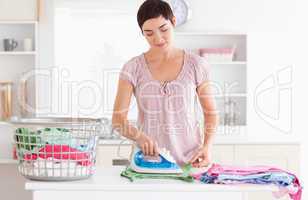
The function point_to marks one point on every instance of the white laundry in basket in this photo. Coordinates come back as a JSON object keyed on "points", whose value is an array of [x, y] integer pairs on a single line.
{"points": [[55, 168]]}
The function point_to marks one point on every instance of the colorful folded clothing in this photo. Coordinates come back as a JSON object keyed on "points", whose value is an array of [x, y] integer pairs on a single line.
{"points": [[223, 174], [132, 176]]}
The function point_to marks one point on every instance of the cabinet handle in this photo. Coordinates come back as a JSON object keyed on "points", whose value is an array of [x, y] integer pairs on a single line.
{"points": [[120, 162]]}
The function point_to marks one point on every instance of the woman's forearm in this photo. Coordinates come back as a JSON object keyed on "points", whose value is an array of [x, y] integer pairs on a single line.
{"points": [[124, 128], [210, 125]]}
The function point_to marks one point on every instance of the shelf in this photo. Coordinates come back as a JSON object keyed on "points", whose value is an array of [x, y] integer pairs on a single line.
{"points": [[209, 33], [227, 129], [229, 63], [12, 53], [18, 22]]}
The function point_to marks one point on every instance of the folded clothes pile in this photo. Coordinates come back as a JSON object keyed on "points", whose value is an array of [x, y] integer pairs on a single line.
{"points": [[287, 182], [222, 174], [132, 175]]}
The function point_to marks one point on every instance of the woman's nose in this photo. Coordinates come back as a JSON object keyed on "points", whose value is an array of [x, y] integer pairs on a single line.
{"points": [[158, 38]]}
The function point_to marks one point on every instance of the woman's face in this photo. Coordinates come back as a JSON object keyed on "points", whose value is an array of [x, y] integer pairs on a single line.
{"points": [[158, 32]]}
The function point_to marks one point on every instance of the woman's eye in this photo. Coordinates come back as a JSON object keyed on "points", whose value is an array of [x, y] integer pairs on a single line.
{"points": [[164, 30], [148, 33]]}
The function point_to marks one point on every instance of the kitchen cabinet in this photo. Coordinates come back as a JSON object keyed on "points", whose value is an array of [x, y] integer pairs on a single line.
{"points": [[6, 143], [228, 77], [18, 9], [223, 154], [283, 156], [12, 184], [17, 66]]}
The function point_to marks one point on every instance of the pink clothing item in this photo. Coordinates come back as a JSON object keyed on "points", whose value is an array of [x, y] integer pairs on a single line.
{"points": [[167, 111], [61, 152], [294, 190], [240, 170]]}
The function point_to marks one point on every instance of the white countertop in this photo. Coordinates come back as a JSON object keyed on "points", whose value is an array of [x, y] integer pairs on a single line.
{"points": [[109, 179]]}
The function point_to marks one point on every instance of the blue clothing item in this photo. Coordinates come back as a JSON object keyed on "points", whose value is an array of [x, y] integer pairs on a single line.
{"points": [[57, 136], [277, 178], [207, 178]]}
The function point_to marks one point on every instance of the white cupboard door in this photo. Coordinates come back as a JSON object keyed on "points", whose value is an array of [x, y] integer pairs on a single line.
{"points": [[223, 154], [281, 156], [18, 10], [109, 155]]}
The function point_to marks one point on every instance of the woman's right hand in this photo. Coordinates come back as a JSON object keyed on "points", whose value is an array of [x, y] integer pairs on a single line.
{"points": [[147, 145]]}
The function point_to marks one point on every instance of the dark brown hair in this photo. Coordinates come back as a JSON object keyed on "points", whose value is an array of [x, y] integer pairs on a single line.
{"points": [[153, 9]]}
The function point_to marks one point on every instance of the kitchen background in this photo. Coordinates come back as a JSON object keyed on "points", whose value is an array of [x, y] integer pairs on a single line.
{"points": [[69, 54]]}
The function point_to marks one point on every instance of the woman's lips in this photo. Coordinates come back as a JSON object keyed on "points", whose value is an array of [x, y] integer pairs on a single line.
{"points": [[160, 45]]}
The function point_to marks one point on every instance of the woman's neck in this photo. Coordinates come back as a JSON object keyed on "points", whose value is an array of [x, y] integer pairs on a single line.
{"points": [[162, 55]]}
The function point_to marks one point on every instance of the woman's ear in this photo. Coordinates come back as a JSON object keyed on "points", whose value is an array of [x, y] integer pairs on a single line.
{"points": [[173, 21]]}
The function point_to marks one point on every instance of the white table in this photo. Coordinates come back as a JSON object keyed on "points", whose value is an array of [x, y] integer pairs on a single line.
{"points": [[108, 184]]}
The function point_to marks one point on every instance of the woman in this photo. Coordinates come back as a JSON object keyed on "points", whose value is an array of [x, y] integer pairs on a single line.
{"points": [[166, 82]]}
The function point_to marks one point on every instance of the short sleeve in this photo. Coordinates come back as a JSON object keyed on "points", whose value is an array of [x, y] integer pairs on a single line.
{"points": [[201, 70], [128, 72]]}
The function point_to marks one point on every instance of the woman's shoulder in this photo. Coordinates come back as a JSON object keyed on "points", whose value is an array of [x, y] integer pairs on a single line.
{"points": [[194, 59], [133, 65], [133, 61], [132, 69], [198, 68]]}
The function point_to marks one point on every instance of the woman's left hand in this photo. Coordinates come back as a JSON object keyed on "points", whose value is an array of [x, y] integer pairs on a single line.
{"points": [[202, 158]]}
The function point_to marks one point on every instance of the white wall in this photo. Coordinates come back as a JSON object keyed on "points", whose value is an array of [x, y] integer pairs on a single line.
{"points": [[241, 15], [110, 55]]}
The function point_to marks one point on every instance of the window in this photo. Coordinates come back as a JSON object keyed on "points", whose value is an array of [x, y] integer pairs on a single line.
{"points": [[90, 39]]}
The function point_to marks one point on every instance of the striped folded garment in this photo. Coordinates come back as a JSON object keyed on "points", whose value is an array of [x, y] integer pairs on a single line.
{"points": [[224, 174]]}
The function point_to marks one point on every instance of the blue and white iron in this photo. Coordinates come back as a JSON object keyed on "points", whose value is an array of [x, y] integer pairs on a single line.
{"points": [[164, 163]]}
